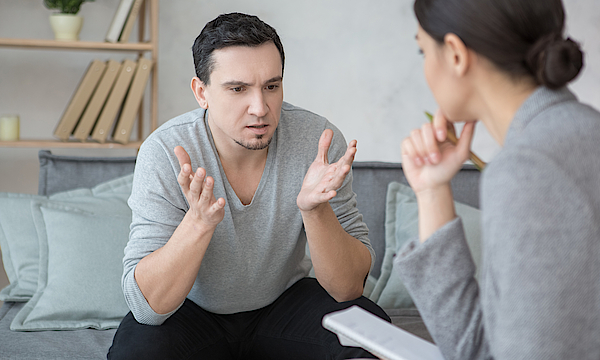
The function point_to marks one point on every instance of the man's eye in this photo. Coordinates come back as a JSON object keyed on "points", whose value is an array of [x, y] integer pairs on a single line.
{"points": [[272, 87], [237, 89]]}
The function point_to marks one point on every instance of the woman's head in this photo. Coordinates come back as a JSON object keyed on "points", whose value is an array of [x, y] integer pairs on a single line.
{"points": [[523, 38]]}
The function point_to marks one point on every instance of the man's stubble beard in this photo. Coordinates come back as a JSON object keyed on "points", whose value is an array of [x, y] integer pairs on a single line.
{"points": [[256, 146]]}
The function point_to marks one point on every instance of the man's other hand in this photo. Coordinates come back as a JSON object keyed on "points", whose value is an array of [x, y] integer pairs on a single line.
{"points": [[323, 179]]}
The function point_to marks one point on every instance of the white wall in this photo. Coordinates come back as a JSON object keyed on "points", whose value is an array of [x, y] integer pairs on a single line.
{"points": [[355, 62]]}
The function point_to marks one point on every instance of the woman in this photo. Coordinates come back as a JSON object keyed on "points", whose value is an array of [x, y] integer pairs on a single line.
{"points": [[506, 63]]}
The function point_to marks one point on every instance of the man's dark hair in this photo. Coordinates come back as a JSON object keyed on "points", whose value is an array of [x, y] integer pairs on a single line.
{"points": [[520, 37], [234, 29]]}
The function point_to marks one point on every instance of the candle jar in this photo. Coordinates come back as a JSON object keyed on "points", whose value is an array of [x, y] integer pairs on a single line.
{"points": [[9, 127]]}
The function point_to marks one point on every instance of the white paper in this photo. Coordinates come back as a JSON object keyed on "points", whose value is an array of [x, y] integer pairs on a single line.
{"points": [[358, 327]]}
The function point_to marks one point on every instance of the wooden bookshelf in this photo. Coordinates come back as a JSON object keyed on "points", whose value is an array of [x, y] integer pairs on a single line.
{"points": [[141, 47]]}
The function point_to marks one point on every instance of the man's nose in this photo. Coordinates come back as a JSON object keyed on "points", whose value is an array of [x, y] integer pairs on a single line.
{"points": [[258, 106]]}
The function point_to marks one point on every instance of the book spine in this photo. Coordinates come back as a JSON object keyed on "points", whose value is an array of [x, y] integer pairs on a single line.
{"points": [[80, 99], [89, 117], [133, 14], [118, 21], [122, 132], [114, 102]]}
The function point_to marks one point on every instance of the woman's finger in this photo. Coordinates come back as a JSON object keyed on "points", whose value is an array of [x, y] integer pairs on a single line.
{"points": [[430, 143], [409, 154], [440, 124], [418, 145], [466, 137]]}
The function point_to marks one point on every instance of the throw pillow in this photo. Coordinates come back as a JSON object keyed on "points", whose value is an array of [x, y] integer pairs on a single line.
{"points": [[402, 225], [19, 239], [80, 266], [20, 246]]}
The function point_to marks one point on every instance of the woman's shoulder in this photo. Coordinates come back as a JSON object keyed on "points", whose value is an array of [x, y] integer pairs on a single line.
{"points": [[565, 133], [557, 152]]}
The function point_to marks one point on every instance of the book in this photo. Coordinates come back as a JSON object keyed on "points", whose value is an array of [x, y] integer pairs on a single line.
{"points": [[79, 100], [123, 128], [133, 14], [92, 111], [357, 327], [114, 101], [118, 21]]}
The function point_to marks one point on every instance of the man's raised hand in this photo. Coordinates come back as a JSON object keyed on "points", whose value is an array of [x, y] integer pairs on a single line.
{"points": [[198, 190], [323, 179]]}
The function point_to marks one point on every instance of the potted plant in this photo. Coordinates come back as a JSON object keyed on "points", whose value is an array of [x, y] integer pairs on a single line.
{"points": [[66, 24]]}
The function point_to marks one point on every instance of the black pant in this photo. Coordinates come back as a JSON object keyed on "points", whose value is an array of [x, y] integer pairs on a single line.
{"points": [[290, 328]]}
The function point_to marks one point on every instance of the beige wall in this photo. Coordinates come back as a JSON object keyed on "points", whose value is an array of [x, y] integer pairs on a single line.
{"points": [[354, 62]]}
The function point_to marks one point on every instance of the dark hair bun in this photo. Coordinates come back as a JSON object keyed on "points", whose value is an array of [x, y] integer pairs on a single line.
{"points": [[555, 61]]}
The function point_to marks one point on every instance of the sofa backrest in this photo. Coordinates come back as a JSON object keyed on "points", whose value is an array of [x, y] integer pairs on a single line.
{"points": [[370, 182], [61, 173]]}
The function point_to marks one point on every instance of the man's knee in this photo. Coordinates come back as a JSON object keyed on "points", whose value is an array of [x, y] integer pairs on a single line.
{"points": [[137, 341], [371, 307]]}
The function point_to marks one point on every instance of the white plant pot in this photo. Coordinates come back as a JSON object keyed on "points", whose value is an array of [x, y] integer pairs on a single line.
{"points": [[66, 27]]}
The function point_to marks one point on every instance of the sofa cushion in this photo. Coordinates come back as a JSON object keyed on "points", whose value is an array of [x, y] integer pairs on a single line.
{"points": [[82, 235], [401, 226]]}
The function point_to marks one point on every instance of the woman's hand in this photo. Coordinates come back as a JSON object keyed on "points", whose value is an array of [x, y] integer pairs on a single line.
{"points": [[429, 160]]}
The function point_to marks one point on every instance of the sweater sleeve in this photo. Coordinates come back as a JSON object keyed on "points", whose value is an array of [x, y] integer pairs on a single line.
{"points": [[344, 204], [158, 206], [440, 276]]}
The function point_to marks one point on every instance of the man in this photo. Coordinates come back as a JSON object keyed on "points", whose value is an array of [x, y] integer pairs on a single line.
{"points": [[215, 267]]}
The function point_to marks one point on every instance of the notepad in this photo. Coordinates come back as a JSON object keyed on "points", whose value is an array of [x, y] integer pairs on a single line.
{"points": [[358, 327]]}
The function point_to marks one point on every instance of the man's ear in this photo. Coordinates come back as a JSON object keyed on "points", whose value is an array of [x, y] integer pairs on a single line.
{"points": [[456, 54], [199, 90]]}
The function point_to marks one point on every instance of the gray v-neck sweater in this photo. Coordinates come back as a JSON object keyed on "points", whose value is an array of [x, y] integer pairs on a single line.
{"points": [[258, 250], [539, 296]]}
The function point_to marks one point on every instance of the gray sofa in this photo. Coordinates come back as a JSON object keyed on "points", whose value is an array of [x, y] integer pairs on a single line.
{"points": [[60, 173]]}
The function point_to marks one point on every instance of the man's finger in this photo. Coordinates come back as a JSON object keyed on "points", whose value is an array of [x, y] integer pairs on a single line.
{"points": [[207, 190], [197, 183], [183, 158], [185, 168], [324, 143], [351, 152]]}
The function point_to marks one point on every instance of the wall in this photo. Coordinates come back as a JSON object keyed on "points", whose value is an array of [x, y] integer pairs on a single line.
{"points": [[355, 62]]}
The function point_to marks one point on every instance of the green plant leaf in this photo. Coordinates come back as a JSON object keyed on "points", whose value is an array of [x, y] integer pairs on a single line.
{"points": [[65, 6]]}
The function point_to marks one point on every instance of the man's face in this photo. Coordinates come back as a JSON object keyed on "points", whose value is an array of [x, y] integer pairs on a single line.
{"points": [[244, 97]]}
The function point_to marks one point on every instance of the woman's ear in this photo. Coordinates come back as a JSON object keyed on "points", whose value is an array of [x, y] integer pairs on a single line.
{"points": [[199, 90], [456, 54]]}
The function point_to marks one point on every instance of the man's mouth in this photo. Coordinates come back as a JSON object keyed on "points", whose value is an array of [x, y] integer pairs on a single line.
{"points": [[258, 129]]}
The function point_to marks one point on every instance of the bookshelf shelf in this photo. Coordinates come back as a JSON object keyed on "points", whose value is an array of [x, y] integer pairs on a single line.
{"points": [[75, 45], [141, 47], [68, 144]]}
